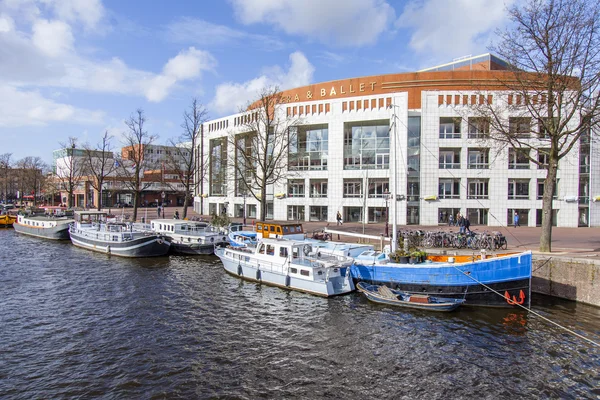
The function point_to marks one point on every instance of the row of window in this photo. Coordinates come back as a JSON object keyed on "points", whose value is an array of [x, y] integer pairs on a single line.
{"points": [[479, 127], [477, 188], [479, 158]]}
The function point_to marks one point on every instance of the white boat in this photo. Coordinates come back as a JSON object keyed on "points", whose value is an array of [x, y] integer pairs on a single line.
{"points": [[189, 237], [43, 226], [92, 231], [290, 264]]}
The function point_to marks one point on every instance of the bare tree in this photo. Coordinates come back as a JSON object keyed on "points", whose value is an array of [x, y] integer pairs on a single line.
{"points": [[134, 163], [259, 153], [551, 89], [5, 172], [31, 177], [70, 169], [100, 163], [188, 159]]}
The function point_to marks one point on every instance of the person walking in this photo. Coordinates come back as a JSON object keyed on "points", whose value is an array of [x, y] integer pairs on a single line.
{"points": [[467, 224], [451, 220], [461, 224], [516, 219], [176, 216], [158, 210], [338, 217]]}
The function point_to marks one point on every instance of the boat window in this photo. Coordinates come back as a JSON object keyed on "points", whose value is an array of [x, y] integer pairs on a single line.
{"points": [[295, 252], [283, 252], [270, 249], [259, 227], [304, 272], [279, 230], [285, 229], [272, 228], [261, 249], [293, 270]]}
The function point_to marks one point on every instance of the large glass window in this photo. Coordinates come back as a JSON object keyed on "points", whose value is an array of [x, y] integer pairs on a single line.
{"points": [[478, 188], [449, 189], [449, 158], [450, 128], [218, 167], [540, 189], [367, 145], [378, 187], [479, 127], [479, 159], [318, 213], [296, 213], [518, 158], [308, 148], [518, 189], [352, 188], [520, 126], [296, 188], [353, 214], [478, 216], [318, 188]]}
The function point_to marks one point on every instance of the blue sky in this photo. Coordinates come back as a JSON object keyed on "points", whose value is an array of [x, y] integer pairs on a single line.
{"points": [[78, 68]]}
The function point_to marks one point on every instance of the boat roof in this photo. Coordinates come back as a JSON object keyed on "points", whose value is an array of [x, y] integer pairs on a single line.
{"points": [[90, 212], [280, 241], [175, 222]]}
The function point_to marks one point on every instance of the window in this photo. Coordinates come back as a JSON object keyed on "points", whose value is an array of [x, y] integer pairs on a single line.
{"points": [[283, 252], [318, 213], [296, 188], [318, 188], [218, 167], [479, 127], [449, 158], [519, 127], [367, 145], [377, 214], [518, 158], [308, 148], [449, 189], [295, 213], [413, 189], [540, 189], [352, 188], [449, 128], [478, 159], [478, 188], [478, 216], [543, 158], [378, 187], [518, 189]]}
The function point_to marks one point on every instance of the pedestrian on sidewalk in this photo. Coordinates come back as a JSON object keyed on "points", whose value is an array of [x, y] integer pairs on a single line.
{"points": [[516, 219], [158, 210], [338, 217], [451, 220], [461, 224], [467, 224]]}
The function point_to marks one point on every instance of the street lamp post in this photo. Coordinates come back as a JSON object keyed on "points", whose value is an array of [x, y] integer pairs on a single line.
{"points": [[244, 208], [163, 195], [386, 196]]}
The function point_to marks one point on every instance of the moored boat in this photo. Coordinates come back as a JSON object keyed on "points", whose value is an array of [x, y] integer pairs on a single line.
{"points": [[384, 295], [289, 264], [189, 237], [43, 226], [7, 220], [92, 231], [501, 281]]}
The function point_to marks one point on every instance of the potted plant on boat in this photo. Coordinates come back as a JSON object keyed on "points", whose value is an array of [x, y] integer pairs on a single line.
{"points": [[399, 256]]}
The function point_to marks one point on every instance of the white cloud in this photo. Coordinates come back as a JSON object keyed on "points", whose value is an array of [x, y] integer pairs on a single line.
{"points": [[89, 12], [187, 65], [204, 33], [30, 108], [452, 28], [231, 97], [347, 23], [6, 24], [54, 38]]}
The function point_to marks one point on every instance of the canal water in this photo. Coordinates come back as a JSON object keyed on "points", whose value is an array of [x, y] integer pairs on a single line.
{"points": [[76, 324]]}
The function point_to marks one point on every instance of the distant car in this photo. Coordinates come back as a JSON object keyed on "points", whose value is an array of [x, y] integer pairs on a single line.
{"points": [[7, 206]]}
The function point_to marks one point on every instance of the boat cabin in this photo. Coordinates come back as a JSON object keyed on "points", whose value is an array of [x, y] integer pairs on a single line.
{"points": [[292, 231]]}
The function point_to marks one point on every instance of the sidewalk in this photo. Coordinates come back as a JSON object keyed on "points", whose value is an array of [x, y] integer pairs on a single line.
{"points": [[567, 242]]}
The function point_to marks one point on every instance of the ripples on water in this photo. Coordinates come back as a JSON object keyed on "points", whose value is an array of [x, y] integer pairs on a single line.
{"points": [[79, 324]]}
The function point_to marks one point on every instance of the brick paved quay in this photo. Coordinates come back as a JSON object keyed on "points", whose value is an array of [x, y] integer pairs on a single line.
{"points": [[567, 242]]}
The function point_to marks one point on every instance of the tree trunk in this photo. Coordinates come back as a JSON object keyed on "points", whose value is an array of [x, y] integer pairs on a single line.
{"points": [[185, 206], [135, 206], [549, 185]]}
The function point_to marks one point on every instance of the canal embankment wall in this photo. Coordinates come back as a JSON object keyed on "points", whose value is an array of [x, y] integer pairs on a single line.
{"points": [[569, 278]]}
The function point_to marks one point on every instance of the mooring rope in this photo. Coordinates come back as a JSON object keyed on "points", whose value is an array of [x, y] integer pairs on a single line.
{"points": [[530, 310]]}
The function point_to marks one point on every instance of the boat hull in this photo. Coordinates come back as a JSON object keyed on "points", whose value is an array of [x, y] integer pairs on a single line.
{"points": [[254, 273], [7, 221], [192, 249], [494, 282], [439, 304], [148, 246], [59, 232]]}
